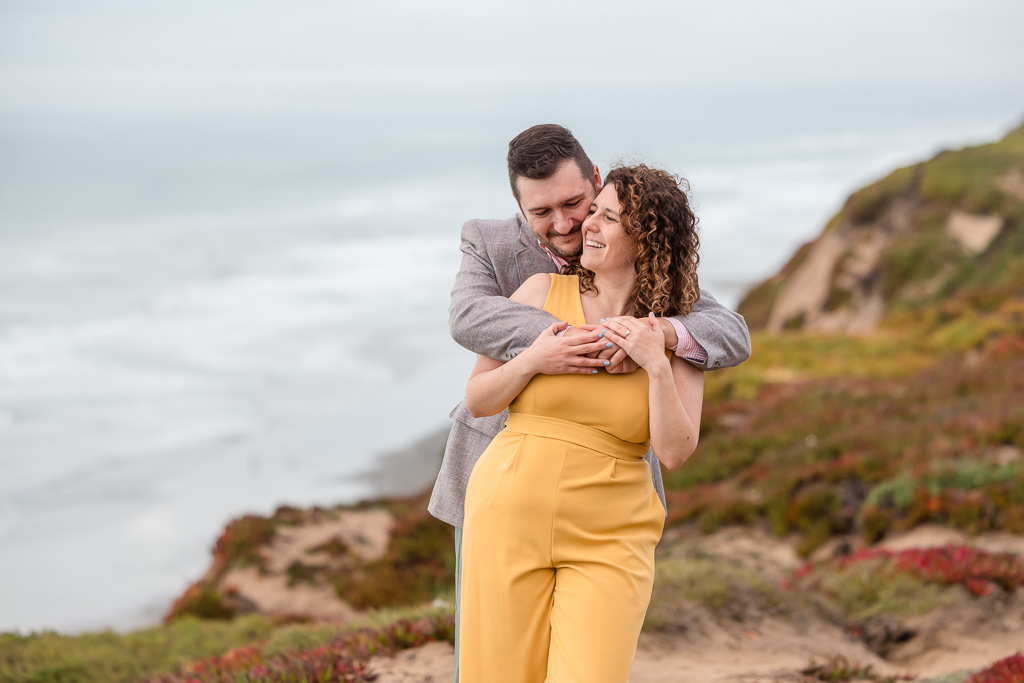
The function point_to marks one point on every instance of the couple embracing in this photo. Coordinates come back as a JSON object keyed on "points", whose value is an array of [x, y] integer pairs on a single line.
{"points": [[592, 335]]}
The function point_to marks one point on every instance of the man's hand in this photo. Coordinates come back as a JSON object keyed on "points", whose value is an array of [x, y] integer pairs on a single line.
{"points": [[619, 362], [568, 354]]}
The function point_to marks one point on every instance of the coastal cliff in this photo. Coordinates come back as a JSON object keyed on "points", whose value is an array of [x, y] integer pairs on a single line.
{"points": [[948, 228], [854, 511], [854, 498]]}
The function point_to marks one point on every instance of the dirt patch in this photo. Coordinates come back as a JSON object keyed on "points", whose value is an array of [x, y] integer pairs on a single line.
{"points": [[969, 634], [974, 232], [775, 649], [431, 663], [364, 533], [271, 594], [1013, 184], [808, 288]]}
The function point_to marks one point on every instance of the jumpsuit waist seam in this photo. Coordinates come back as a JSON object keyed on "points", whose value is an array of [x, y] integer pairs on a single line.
{"points": [[573, 432]]}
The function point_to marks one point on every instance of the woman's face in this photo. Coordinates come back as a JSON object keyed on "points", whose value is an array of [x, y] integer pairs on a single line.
{"points": [[606, 246]]}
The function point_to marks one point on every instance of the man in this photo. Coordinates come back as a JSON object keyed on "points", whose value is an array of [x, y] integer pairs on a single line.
{"points": [[554, 183]]}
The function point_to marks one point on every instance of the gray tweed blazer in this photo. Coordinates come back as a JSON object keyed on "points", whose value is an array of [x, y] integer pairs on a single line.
{"points": [[497, 257]]}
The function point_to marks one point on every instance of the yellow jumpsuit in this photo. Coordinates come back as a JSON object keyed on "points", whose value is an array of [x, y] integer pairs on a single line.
{"points": [[562, 519]]}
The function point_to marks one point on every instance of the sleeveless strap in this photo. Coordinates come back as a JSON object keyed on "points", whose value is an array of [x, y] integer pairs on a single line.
{"points": [[563, 300]]}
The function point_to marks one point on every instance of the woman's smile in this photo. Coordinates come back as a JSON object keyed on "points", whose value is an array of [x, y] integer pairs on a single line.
{"points": [[603, 232]]}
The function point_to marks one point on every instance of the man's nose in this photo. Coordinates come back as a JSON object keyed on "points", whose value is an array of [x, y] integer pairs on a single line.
{"points": [[564, 224]]}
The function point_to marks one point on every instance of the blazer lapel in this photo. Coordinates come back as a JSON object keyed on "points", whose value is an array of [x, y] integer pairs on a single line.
{"points": [[530, 258]]}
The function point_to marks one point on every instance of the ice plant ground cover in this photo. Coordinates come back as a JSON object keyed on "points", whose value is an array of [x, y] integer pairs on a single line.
{"points": [[1009, 670], [978, 571], [342, 661]]}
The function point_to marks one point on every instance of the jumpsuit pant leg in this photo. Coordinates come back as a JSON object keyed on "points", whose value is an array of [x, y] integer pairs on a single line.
{"points": [[609, 520], [507, 575], [558, 563]]}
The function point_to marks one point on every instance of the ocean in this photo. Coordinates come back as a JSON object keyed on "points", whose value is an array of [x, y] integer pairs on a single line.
{"points": [[213, 303]]}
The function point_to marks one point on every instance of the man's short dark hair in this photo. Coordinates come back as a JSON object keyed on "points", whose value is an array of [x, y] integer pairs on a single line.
{"points": [[537, 152]]}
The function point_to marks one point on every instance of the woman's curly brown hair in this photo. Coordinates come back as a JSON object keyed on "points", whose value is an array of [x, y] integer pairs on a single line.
{"points": [[656, 215]]}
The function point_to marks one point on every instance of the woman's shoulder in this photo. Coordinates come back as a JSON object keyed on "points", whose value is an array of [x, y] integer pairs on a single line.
{"points": [[534, 291]]}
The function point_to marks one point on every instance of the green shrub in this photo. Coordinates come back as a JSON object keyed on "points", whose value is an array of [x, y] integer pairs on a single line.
{"points": [[866, 589], [242, 540], [299, 572], [874, 523], [917, 256], [204, 602], [867, 205], [419, 564], [728, 590]]}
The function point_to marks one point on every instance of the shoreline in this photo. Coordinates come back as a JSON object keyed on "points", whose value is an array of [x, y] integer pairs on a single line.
{"points": [[408, 470], [396, 472]]}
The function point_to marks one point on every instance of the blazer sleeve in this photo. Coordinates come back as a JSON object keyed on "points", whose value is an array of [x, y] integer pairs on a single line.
{"points": [[481, 317], [722, 333]]}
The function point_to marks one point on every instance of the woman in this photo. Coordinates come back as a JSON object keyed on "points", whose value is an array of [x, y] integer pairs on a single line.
{"points": [[561, 516]]}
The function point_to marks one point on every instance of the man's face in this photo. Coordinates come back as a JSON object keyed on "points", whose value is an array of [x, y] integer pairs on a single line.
{"points": [[556, 208]]}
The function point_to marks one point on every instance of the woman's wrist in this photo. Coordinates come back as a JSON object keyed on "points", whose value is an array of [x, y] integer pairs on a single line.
{"points": [[660, 368]]}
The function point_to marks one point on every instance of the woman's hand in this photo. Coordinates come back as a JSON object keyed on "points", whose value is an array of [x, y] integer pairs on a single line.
{"points": [[643, 339], [550, 354]]}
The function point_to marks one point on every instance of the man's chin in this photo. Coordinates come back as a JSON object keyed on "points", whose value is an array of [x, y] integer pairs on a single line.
{"points": [[569, 252]]}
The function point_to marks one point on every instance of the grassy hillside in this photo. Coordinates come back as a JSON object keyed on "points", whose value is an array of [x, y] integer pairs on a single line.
{"points": [[827, 436], [948, 228]]}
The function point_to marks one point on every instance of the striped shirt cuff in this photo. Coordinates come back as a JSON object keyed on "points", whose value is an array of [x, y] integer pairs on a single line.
{"points": [[687, 347]]}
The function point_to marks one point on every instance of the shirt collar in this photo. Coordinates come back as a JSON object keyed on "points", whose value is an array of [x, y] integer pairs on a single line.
{"points": [[560, 263]]}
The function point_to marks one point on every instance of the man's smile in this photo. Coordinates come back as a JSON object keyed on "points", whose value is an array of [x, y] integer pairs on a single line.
{"points": [[569, 236]]}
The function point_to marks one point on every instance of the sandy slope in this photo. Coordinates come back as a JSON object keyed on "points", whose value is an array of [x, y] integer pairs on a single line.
{"points": [[774, 651], [965, 636]]}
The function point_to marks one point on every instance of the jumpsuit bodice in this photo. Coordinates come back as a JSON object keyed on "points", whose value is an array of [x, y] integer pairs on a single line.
{"points": [[615, 404]]}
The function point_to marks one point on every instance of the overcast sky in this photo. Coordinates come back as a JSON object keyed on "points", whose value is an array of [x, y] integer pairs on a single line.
{"points": [[343, 56]]}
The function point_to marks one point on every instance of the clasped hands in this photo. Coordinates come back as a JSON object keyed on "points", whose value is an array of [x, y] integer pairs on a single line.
{"points": [[618, 345]]}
